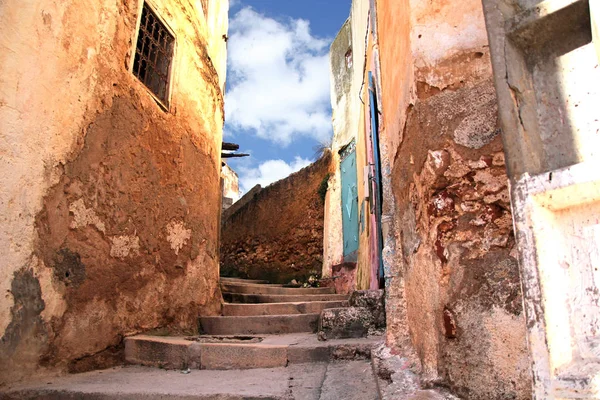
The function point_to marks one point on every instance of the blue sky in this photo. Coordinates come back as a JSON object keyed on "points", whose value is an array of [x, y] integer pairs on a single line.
{"points": [[277, 101]]}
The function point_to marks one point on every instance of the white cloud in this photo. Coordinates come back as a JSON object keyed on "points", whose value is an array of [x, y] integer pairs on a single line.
{"points": [[268, 172], [279, 79]]}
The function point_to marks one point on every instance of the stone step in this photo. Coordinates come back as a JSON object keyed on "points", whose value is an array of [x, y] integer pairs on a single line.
{"points": [[236, 352], [240, 280], [314, 307], [281, 298], [239, 283], [269, 289], [259, 324]]}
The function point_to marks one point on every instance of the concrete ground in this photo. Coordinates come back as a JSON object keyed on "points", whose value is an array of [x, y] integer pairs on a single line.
{"points": [[347, 380], [397, 379]]}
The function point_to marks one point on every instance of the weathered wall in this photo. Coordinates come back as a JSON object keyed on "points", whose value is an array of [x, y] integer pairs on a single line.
{"points": [[231, 187], [216, 17], [278, 234], [595, 16], [348, 126], [368, 257], [249, 195], [341, 77], [453, 278], [548, 85], [396, 79], [108, 207], [362, 47]]}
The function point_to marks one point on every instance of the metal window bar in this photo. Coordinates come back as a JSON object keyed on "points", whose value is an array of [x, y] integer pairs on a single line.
{"points": [[153, 54]]}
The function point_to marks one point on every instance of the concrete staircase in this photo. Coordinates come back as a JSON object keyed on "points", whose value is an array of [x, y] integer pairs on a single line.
{"points": [[269, 309], [265, 332], [257, 334]]}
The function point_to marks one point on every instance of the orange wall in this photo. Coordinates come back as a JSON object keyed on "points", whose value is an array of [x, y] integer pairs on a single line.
{"points": [[363, 267], [365, 264], [394, 29]]}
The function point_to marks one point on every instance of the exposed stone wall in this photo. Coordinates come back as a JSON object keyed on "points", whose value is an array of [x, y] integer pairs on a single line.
{"points": [[456, 234], [109, 204], [278, 234], [249, 195], [452, 276]]}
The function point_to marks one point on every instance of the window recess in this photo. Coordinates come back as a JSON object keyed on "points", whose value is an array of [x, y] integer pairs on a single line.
{"points": [[154, 54]]}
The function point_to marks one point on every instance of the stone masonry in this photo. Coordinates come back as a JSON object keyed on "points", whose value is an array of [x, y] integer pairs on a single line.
{"points": [[278, 234]]}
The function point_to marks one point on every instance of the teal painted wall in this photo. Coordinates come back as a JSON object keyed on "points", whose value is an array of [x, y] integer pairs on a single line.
{"points": [[350, 206]]}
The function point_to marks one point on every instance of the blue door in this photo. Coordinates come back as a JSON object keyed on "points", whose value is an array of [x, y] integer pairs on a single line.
{"points": [[349, 205]]}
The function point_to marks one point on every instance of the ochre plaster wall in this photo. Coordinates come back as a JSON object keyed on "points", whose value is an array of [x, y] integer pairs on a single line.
{"points": [[363, 267], [278, 234], [397, 79], [109, 205], [595, 15], [365, 263], [453, 280]]}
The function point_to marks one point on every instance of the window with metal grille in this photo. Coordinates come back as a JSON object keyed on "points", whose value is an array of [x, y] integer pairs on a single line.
{"points": [[153, 54]]}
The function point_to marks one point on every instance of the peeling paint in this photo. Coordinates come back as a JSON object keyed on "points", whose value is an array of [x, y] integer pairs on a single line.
{"points": [[83, 216], [178, 235], [123, 246]]}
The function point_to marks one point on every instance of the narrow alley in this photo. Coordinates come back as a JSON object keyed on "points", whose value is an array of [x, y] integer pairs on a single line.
{"points": [[165, 234], [268, 338]]}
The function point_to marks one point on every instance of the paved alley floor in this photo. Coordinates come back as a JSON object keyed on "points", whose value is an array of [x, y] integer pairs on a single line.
{"points": [[347, 380]]}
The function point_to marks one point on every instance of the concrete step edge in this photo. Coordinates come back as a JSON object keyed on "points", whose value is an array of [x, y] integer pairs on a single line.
{"points": [[169, 353], [259, 324], [270, 298], [284, 303], [252, 284], [275, 290], [303, 307], [258, 317], [254, 281]]}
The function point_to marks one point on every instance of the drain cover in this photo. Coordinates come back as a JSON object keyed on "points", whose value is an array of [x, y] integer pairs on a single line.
{"points": [[225, 339]]}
